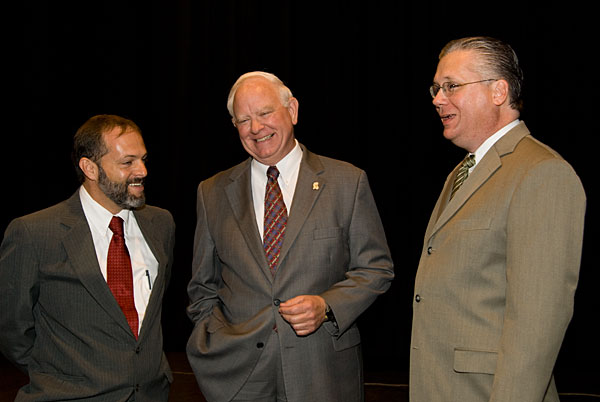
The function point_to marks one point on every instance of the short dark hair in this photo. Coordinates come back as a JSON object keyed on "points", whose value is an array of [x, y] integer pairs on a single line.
{"points": [[497, 58], [88, 141]]}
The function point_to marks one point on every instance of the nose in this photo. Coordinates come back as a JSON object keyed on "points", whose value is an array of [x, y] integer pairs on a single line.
{"points": [[439, 99], [256, 125], [140, 169]]}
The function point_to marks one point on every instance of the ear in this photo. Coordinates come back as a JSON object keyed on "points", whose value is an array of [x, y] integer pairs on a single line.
{"points": [[293, 109], [89, 169], [500, 92]]}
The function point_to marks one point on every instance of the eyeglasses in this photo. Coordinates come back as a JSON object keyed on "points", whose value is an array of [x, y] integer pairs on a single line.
{"points": [[450, 87]]}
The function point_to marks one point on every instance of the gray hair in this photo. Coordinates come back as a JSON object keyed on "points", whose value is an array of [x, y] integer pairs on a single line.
{"points": [[284, 92], [497, 59]]}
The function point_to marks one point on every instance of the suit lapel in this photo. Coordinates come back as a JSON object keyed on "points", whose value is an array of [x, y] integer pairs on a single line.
{"points": [[482, 172], [144, 220], [309, 186], [81, 252], [491, 162], [239, 195]]}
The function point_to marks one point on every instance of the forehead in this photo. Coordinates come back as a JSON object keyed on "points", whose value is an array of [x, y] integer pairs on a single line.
{"points": [[257, 92], [457, 64], [124, 142]]}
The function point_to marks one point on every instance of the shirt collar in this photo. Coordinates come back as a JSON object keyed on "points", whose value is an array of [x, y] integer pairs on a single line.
{"points": [[286, 166], [97, 216], [487, 144]]}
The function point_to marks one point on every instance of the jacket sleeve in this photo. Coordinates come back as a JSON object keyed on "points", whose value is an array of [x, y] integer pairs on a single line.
{"points": [[370, 270], [544, 240], [206, 272], [19, 293]]}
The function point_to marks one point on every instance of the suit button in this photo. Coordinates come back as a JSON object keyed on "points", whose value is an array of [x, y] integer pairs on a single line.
{"points": [[417, 298], [137, 350], [277, 302], [260, 345], [429, 250]]}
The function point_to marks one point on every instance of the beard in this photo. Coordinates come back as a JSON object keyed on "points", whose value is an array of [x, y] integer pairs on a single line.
{"points": [[119, 192]]}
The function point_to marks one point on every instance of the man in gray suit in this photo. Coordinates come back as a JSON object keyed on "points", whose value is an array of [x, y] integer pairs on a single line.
{"points": [[500, 261], [80, 313], [281, 326]]}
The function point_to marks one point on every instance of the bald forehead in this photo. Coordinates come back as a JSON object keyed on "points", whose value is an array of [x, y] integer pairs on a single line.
{"points": [[257, 89], [256, 84]]}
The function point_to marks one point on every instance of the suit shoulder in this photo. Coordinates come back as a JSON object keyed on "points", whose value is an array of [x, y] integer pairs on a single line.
{"points": [[38, 224], [535, 153], [337, 166], [537, 149], [532, 158], [154, 210], [156, 213], [225, 177], [49, 214]]}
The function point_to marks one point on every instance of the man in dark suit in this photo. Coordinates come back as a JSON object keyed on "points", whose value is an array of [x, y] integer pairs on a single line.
{"points": [[277, 285], [80, 311], [499, 266]]}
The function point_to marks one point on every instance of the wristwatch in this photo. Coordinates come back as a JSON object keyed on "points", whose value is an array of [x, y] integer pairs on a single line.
{"points": [[329, 314]]}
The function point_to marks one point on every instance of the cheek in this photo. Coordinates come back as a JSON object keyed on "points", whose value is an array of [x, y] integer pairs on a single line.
{"points": [[248, 144]]}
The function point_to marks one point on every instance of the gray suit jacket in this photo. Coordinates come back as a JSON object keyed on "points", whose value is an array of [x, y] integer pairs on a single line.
{"points": [[59, 321], [498, 271], [334, 246]]}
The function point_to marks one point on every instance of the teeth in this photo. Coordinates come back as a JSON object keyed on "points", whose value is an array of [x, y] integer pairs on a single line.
{"points": [[265, 138]]}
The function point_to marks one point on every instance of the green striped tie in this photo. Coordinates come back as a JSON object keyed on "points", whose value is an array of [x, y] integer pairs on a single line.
{"points": [[463, 173]]}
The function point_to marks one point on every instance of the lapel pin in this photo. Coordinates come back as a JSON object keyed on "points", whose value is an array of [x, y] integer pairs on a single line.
{"points": [[316, 185]]}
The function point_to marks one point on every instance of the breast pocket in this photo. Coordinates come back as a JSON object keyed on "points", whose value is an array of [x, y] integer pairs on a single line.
{"points": [[325, 252]]}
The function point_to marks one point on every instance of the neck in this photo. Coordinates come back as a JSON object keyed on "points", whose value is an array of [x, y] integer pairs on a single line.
{"points": [[101, 198]]}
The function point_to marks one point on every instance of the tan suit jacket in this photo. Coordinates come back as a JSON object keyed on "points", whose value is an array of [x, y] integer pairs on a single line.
{"points": [[495, 285], [334, 246]]}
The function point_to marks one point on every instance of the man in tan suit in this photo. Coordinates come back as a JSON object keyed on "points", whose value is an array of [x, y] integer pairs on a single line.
{"points": [[269, 329], [500, 261]]}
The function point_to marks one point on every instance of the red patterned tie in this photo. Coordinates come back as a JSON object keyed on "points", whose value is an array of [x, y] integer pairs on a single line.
{"points": [[275, 219], [119, 275]]}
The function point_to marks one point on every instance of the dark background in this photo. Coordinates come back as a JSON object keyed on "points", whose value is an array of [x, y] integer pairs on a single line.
{"points": [[361, 73]]}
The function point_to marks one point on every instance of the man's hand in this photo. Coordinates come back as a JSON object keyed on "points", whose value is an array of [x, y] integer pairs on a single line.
{"points": [[305, 313]]}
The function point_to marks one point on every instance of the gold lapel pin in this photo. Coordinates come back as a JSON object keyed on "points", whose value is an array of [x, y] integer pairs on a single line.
{"points": [[316, 185]]}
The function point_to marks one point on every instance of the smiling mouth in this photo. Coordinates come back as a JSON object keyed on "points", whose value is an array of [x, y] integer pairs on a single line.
{"points": [[446, 117], [136, 183], [263, 139]]}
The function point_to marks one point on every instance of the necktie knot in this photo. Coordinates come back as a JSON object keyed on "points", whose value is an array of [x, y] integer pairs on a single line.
{"points": [[272, 173], [463, 173], [116, 225], [469, 161]]}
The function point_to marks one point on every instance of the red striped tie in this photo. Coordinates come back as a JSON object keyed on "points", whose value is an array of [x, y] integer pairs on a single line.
{"points": [[275, 219], [119, 276]]}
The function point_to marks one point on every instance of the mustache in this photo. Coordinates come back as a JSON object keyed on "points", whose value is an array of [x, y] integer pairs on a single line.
{"points": [[137, 180]]}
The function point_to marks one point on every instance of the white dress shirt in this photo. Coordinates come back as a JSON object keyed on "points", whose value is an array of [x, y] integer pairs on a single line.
{"points": [[487, 144], [289, 168], [143, 262]]}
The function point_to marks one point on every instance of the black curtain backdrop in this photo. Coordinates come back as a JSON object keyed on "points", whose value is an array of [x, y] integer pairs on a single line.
{"points": [[361, 72]]}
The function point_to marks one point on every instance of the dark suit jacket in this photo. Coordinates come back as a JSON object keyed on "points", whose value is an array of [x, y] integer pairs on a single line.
{"points": [[59, 321], [498, 271], [334, 246]]}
